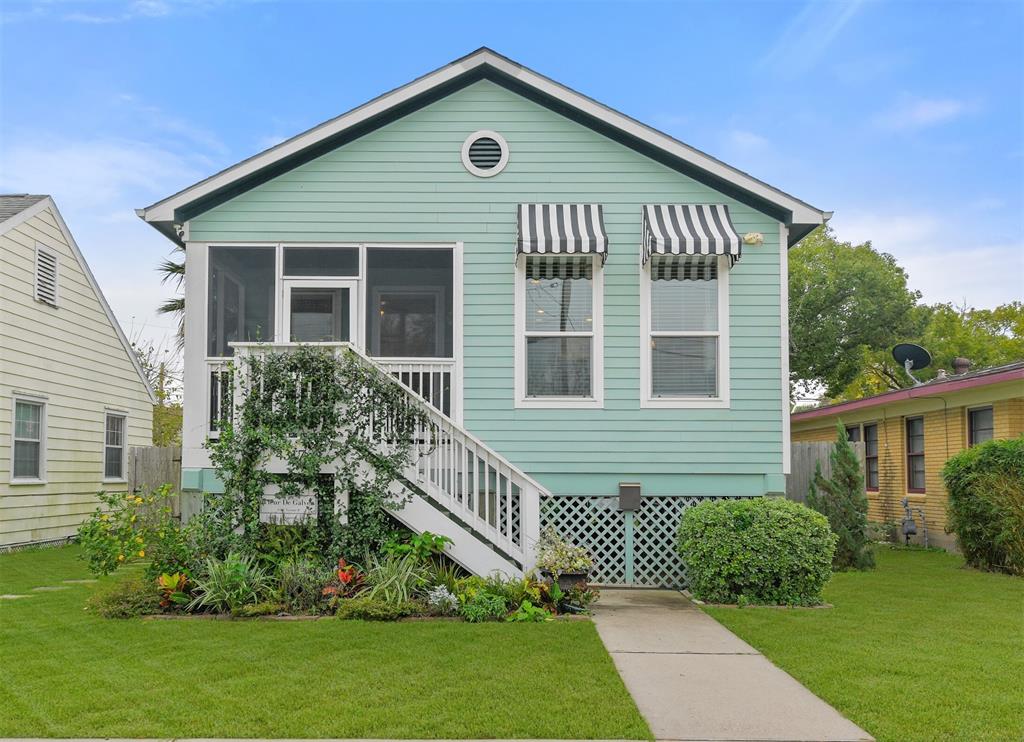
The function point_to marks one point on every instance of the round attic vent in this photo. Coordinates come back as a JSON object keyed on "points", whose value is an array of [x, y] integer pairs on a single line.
{"points": [[485, 153]]}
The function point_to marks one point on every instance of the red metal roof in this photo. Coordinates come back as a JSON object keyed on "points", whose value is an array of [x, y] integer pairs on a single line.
{"points": [[1010, 372]]}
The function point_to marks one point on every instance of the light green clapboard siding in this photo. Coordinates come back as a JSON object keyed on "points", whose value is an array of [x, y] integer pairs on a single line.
{"points": [[405, 182]]}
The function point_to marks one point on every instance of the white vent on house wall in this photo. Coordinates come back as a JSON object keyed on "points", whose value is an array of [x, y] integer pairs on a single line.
{"points": [[46, 275], [485, 153]]}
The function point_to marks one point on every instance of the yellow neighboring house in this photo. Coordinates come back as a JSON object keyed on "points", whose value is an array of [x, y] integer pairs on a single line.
{"points": [[909, 434], [73, 396]]}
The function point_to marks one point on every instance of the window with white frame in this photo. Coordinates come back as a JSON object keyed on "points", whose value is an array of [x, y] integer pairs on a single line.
{"points": [[29, 449], [686, 351], [113, 446], [559, 320]]}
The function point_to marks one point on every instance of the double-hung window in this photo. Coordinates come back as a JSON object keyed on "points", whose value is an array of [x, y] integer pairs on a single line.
{"points": [[915, 454], [113, 446], [29, 450], [559, 321], [871, 456], [980, 426], [684, 361]]}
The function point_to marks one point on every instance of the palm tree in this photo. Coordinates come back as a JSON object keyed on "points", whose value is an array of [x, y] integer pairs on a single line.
{"points": [[174, 271]]}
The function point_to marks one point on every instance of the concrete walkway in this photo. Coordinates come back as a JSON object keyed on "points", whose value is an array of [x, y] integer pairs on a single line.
{"points": [[693, 679]]}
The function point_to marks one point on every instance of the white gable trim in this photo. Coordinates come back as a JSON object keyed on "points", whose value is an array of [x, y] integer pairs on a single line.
{"points": [[803, 213], [48, 203]]}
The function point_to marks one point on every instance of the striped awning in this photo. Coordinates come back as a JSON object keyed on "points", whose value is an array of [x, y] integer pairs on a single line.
{"points": [[562, 229], [689, 229]]}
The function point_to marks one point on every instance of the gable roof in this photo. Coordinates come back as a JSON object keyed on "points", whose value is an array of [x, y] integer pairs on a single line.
{"points": [[484, 64], [15, 203], [42, 203], [940, 385]]}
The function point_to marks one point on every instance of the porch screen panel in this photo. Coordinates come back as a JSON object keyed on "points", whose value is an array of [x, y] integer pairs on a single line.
{"points": [[240, 297], [409, 302]]}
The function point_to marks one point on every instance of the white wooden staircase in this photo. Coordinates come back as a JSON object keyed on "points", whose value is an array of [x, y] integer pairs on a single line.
{"points": [[460, 487]]}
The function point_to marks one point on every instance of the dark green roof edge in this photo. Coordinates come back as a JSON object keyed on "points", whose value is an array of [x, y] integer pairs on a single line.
{"points": [[484, 72]]}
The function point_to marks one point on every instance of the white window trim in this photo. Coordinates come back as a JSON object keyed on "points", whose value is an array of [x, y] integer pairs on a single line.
{"points": [[597, 346], [44, 403], [40, 248], [502, 161], [107, 414], [646, 397]]}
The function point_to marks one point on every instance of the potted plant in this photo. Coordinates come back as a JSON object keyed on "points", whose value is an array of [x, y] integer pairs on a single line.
{"points": [[560, 561]]}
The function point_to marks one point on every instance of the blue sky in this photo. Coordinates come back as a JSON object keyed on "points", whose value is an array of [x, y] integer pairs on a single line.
{"points": [[905, 118]]}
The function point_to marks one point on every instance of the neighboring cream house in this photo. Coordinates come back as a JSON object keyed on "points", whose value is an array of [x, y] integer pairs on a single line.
{"points": [[73, 396]]}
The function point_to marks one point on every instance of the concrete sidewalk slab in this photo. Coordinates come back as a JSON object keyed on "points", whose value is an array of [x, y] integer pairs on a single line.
{"points": [[693, 679]]}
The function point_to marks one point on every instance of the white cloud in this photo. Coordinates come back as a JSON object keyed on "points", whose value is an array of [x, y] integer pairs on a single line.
{"points": [[809, 34], [99, 12], [95, 174], [918, 113], [943, 258], [745, 140], [97, 184]]}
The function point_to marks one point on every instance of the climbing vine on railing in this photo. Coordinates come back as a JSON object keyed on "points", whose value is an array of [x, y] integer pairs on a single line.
{"points": [[317, 409]]}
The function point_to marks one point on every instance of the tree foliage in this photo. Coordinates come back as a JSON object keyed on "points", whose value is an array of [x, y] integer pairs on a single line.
{"points": [[162, 369], [843, 501], [850, 304], [844, 300]]}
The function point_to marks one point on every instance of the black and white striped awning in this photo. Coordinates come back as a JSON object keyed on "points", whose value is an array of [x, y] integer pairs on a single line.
{"points": [[562, 229], [689, 229]]}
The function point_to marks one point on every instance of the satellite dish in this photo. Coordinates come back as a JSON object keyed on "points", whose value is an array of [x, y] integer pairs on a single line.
{"points": [[911, 356]]}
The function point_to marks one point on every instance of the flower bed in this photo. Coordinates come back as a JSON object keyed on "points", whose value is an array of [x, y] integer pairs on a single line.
{"points": [[283, 573]]}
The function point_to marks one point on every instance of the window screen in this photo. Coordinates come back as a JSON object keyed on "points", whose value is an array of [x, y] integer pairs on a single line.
{"points": [[559, 326], [684, 340], [113, 448], [409, 296], [241, 297], [28, 440], [980, 425]]}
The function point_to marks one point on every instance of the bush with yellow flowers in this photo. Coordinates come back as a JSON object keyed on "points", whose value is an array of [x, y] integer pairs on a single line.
{"points": [[130, 527]]}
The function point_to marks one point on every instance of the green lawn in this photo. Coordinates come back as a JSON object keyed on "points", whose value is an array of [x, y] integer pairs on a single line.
{"points": [[64, 673], [919, 649]]}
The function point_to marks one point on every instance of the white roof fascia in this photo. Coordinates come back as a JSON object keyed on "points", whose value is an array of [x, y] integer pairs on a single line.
{"points": [[802, 213]]}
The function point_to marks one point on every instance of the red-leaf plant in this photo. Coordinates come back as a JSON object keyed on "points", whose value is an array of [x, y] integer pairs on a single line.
{"points": [[350, 581]]}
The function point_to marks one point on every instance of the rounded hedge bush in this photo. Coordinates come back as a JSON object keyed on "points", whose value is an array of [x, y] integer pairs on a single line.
{"points": [[763, 550], [986, 504]]}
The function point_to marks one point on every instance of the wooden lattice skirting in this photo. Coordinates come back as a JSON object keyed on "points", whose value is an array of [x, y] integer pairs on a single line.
{"points": [[629, 548]]}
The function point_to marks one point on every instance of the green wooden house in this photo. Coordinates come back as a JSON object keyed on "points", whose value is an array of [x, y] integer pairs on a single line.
{"points": [[584, 302]]}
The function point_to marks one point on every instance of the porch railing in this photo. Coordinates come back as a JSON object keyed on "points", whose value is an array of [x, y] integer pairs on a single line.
{"points": [[484, 492], [431, 380]]}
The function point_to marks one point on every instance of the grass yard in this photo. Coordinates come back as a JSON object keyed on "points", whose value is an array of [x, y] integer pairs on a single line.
{"points": [[67, 673], [919, 649]]}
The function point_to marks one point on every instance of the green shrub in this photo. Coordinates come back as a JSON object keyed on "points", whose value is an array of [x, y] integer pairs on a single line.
{"points": [[394, 579], [301, 583], [230, 584], [844, 502], [986, 504], [484, 606], [365, 608], [128, 598], [259, 609], [763, 550]]}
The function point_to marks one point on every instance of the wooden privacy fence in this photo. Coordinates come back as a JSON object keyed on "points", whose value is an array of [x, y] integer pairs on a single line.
{"points": [[150, 467], [803, 459]]}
